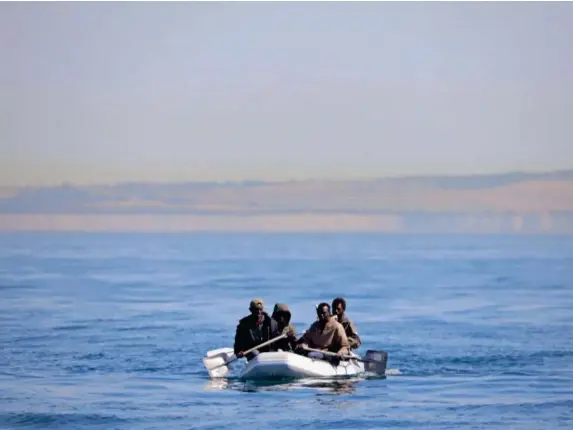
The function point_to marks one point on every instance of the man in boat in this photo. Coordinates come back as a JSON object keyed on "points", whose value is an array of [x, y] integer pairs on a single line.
{"points": [[339, 310], [282, 315], [254, 329], [326, 334]]}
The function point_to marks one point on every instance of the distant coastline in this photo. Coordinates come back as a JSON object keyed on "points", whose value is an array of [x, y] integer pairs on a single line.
{"points": [[516, 203]]}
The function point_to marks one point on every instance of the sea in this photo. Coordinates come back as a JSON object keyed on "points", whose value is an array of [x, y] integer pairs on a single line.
{"points": [[108, 331]]}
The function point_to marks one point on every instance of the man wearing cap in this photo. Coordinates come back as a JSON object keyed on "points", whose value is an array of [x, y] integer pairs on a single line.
{"points": [[254, 329]]}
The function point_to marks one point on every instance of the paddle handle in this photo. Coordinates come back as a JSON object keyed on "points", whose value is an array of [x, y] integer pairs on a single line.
{"points": [[268, 342], [333, 354]]}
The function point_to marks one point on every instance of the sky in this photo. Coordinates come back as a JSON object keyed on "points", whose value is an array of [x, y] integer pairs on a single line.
{"points": [[110, 92]]}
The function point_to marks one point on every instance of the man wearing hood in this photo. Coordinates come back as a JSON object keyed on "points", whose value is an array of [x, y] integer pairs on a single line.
{"points": [[254, 329], [282, 315], [339, 311]]}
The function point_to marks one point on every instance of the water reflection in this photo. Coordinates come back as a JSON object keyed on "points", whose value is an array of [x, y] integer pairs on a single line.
{"points": [[344, 386], [329, 386], [216, 384]]}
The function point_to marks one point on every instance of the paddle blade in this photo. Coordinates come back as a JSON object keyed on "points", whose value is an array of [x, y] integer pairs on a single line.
{"points": [[216, 364], [219, 371], [376, 361], [219, 351]]}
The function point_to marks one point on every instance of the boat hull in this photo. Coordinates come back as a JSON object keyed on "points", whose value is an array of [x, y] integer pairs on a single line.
{"points": [[286, 365]]}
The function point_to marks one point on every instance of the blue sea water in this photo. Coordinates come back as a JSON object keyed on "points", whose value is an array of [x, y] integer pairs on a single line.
{"points": [[107, 331]]}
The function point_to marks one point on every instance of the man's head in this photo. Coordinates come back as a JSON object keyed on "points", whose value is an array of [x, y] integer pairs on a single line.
{"points": [[256, 307], [281, 314], [338, 306], [323, 312]]}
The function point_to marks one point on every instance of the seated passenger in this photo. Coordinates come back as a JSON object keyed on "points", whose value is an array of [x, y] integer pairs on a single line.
{"points": [[326, 333], [339, 310], [255, 329], [282, 315]]}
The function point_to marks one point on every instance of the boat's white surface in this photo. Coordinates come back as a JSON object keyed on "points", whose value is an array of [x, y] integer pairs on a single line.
{"points": [[273, 365]]}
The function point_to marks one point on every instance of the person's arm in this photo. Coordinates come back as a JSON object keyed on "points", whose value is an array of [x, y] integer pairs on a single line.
{"points": [[353, 338], [341, 341], [291, 340], [304, 340], [275, 332], [238, 345]]}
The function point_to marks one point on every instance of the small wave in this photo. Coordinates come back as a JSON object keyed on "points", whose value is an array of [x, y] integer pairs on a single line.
{"points": [[71, 327], [47, 420], [393, 372], [145, 328], [553, 354], [80, 368], [17, 287], [91, 356]]}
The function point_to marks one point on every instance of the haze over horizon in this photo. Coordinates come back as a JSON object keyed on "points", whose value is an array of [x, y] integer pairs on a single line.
{"points": [[269, 181], [94, 93]]}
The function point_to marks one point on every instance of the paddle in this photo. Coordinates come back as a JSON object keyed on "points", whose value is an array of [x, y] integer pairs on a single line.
{"points": [[217, 363], [375, 361]]}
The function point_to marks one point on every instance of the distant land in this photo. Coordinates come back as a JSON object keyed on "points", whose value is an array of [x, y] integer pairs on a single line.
{"points": [[530, 203]]}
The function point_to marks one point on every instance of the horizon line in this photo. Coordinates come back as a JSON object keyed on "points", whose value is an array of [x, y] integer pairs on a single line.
{"points": [[68, 183]]}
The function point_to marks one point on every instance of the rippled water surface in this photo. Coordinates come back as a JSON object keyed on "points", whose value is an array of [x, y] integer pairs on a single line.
{"points": [[108, 330]]}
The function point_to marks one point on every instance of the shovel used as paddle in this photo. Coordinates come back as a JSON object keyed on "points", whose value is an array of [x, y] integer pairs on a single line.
{"points": [[374, 361], [217, 361]]}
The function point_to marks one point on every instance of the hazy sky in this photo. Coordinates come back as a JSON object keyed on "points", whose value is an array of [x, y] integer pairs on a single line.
{"points": [[105, 92]]}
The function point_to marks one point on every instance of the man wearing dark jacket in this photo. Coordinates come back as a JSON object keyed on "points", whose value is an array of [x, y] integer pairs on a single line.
{"points": [[254, 330], [282, 315]]}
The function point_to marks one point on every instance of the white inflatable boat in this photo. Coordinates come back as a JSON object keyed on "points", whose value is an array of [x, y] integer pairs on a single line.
{"points": [[276, 365]]}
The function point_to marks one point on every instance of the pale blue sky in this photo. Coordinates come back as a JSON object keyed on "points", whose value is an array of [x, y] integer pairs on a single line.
{"points": [[106, 92]]}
